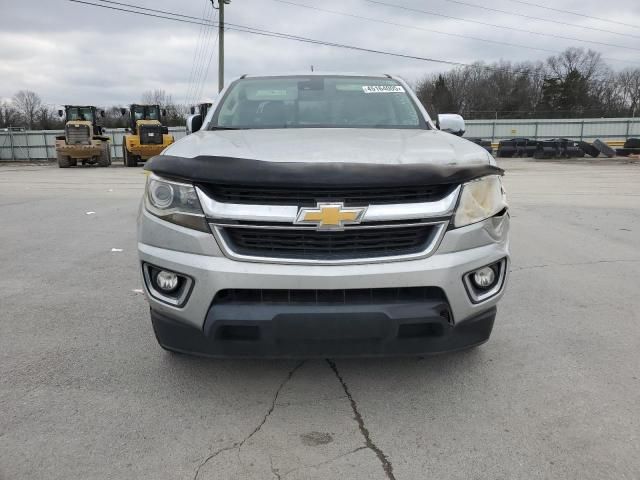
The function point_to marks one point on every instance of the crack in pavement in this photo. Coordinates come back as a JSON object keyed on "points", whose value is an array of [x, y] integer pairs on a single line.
{"points": [[275, 472], [325, 462], [594, 262], [364, 431], [240, 443]]}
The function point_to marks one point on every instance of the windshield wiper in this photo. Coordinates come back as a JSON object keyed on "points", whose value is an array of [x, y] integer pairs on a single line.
{"points": [[225, 128]]}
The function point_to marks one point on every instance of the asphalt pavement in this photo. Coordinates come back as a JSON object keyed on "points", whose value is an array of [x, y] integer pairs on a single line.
{"points": [[86, 393]]}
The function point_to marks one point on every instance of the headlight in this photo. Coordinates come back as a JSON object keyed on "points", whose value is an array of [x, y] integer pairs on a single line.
{"points": [[174, 202], [480, 199]]}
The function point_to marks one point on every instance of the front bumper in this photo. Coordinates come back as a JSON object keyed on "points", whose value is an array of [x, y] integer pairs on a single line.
{"points": [[189, 328], [325, 332], [145, 152]]}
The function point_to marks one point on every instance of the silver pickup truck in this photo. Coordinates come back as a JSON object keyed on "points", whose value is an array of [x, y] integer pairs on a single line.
{"points": [[322, 215]]}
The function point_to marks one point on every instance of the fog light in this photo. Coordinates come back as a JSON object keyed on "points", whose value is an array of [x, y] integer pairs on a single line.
{"points": [[167, 281], [484, 278]]}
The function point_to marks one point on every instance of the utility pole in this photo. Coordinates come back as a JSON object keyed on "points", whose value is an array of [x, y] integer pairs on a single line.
{"points": [[221, 4]]}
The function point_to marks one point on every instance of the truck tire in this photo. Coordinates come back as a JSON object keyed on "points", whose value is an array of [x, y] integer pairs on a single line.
{"points": [[632, 143], [605, 149], [128, 159], [64, 161], [589, 149], [104, 160]]}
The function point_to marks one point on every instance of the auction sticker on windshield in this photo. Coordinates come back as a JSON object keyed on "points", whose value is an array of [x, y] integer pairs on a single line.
{"points": [[383, 89]]}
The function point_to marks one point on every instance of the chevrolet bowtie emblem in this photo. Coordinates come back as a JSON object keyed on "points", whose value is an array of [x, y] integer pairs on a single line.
{"points": [[330, 216]]}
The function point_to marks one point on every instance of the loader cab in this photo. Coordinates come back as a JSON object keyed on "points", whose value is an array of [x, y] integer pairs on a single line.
{"points": [[138, 114], [74, 114], [85, 114]]}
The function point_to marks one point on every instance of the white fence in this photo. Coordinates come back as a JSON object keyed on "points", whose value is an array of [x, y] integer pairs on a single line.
{"points": [[40, 144], [577, 129]]}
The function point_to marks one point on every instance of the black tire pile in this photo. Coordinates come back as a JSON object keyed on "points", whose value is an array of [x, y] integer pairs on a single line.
{"points": [[551, 148], [631, 147], [561, 148]]}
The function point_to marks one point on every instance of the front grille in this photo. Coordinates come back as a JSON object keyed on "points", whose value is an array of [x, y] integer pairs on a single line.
{"points": [[78, 134], [360, 296], [352, 243], [150, 134], [310, 196]]}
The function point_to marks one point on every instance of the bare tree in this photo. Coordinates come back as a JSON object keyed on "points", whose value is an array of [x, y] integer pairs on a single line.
{"points": [[48, 118], [176, 114], [28, 104], [629, 81], [157, 97], [9, 116], [588, 64]]}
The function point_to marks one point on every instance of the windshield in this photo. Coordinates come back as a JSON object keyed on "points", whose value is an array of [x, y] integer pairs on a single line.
{"points": [[142, 112], [317, 101], [80, 113]]}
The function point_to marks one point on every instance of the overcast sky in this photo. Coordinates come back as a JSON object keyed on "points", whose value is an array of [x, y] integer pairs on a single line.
{"points": [[74, 53]]}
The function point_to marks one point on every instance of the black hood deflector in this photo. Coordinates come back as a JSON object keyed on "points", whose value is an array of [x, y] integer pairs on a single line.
{"points": [[244, 171]]}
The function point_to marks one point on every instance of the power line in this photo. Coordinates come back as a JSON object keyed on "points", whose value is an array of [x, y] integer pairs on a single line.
{"points": [[286, 36], [195, 53], [447, 33], [206, 73], [573, 13], [267, 33], [203, 50], [530, 17], [428, 12], [148, 9], [202, 62]]}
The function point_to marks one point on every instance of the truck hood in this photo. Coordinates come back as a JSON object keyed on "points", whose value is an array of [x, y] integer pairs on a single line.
{"points": [[342, 145]]}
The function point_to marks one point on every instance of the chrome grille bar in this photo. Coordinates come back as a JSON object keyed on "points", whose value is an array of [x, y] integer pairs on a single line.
{"points": [[287, 213]]}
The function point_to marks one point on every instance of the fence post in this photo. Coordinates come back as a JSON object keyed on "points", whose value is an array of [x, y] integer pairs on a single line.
{"points": [[46, 147], [26, 144], [13, 153], [535, 133], [582, 130], [493, 132], [628, 129]]}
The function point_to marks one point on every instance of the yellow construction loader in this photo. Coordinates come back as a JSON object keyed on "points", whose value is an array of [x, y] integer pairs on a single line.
{"points": [[145, 135], [83, 138]]}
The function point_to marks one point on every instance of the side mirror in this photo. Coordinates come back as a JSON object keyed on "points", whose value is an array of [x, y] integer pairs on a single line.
{"points": [[102, 113], [123, 111], [60, 113], [192, 110], [194, 123], [451, 123], [164, 112]]}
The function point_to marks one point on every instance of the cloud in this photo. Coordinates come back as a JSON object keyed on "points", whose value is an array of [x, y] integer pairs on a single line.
{"points": [[73, 53]]}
